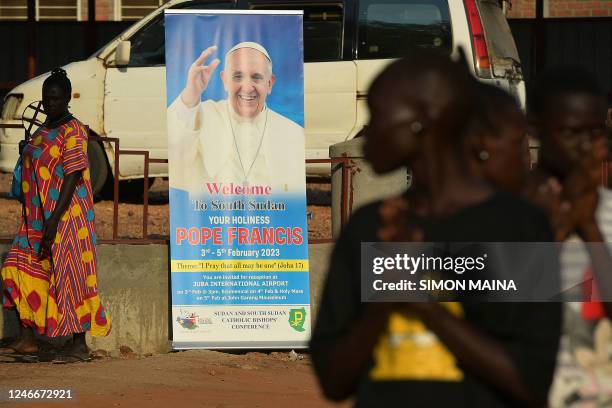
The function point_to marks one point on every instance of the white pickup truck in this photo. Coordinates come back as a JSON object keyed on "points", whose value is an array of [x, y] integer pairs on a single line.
{"points": [[120, 90]]}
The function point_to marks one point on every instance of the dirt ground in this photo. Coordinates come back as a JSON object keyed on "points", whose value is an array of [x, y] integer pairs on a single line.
{"points": [[195, 378], [130, 215]]}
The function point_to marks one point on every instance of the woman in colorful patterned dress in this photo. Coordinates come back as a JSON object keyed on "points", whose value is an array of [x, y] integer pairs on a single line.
{"points": [[49, 275]]}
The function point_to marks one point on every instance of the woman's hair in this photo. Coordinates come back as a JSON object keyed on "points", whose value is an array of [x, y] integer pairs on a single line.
{"points": [[419, 64], [555, 83], [492, 104], [422, 74], [59, 78]]}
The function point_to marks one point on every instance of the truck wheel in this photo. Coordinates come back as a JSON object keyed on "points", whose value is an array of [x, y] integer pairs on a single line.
{"points": [[98, 167]]}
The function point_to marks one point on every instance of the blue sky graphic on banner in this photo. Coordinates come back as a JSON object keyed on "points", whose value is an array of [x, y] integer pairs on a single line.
{"points": [[285, 50], [239, 236]]}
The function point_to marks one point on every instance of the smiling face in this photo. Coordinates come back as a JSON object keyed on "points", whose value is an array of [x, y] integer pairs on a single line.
{"points": [[248, 80]]}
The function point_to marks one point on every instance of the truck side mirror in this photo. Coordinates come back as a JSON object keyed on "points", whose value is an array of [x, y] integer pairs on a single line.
{"points": [[122, 54]]}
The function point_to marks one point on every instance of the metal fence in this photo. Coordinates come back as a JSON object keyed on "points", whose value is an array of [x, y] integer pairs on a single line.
{"points": [[343, 162], [346, 191], [346, 168]]}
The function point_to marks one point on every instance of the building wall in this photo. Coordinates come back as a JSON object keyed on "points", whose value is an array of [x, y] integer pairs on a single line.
{"points": [[120, 10], [522, 9], [104, 10], [76, 10], [562, 8], [579, 8]]}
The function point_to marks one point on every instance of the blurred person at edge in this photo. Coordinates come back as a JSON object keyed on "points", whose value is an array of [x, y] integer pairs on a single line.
{"points": [[432, 354], [49, 275], [609, 116], [568, 110]]}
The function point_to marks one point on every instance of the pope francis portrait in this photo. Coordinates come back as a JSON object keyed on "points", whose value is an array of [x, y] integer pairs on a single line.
{"points": [[237, 140]]}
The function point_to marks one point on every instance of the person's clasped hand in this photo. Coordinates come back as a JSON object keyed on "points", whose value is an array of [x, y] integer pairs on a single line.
{"points": [[580, 189], [546, 193], [198, 77]]}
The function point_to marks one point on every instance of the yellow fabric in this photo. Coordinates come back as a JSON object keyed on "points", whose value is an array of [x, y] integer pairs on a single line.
{"points": [[28, 285], [409, 351]]}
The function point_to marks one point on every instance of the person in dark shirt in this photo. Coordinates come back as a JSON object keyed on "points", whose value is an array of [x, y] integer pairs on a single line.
{"points": [[432, 354]]}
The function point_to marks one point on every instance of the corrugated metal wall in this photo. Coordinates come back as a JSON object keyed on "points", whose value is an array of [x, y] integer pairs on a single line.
{"points": [[583, 42], [13, 49], [57, 44], [588, 43]]}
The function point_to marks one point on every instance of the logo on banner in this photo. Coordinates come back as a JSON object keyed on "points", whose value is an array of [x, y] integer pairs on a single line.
{"points": [[188, 320], [297, 317]]}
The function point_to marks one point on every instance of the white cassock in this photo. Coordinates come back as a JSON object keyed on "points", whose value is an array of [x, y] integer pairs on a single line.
{"points": [[211, 143]]}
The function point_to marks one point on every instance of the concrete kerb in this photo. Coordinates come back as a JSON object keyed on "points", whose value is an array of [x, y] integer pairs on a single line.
{"points": [[133, 284]]}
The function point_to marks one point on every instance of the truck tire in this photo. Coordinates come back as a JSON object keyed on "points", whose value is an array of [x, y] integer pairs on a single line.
{"points": [[98, 167]]}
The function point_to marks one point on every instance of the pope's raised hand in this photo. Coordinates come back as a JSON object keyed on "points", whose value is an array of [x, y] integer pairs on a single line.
{"points": [[198, 77]]}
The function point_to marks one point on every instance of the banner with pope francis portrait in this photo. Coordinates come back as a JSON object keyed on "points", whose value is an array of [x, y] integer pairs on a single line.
{"points": [[238, 230]]}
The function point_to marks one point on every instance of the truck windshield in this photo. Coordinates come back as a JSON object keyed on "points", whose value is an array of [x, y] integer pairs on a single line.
{"points": [[322, 28], [390, 28]]}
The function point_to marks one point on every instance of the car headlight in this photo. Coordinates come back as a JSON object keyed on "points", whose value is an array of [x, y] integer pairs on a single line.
{"points": [[9, 108]]}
